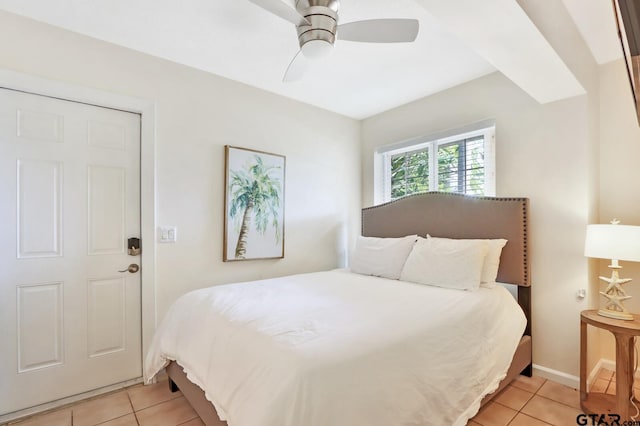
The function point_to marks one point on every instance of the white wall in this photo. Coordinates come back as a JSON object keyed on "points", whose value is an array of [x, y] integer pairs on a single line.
{"points": [[197, 114], [544, 152], [619, 173]]}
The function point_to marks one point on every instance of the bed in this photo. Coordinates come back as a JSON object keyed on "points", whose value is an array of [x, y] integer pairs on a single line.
{"points": [[259, 368]]}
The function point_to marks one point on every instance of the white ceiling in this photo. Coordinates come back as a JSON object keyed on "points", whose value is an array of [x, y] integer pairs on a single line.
{"points": [[238, 40]]}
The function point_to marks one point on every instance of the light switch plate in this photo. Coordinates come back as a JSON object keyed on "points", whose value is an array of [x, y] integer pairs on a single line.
{"points": [[167, 234]]}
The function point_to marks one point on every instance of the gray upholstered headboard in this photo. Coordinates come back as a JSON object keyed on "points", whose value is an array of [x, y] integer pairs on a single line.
{"points": [[458, 216]]}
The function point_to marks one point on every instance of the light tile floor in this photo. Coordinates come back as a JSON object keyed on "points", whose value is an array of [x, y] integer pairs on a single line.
{"points": [[534, 401], [526, 402], [152, 405]]}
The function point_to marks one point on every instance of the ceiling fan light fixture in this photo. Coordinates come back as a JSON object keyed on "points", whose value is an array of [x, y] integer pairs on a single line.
{"points": [[316, 23], [316, 49]]}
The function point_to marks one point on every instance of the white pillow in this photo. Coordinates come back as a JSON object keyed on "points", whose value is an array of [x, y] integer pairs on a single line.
{"points": [[438, 263], [491, 262], [382, 257]]}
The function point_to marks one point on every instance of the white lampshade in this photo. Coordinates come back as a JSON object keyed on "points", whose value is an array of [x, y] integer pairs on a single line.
{"points": [[616, 242]]}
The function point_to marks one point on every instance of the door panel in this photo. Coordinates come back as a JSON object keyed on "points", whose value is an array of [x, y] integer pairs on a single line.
{"points": [[40, 126], [107, 135], [69, 199], [107, 319], [40, 325], [107, 210], [39, 204]]}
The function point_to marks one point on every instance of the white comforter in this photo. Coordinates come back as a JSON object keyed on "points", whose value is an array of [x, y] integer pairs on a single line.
{"points": [[336, 348]]}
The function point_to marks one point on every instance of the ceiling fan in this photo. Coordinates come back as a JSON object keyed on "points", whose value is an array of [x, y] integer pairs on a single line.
{"points": [[317, 25]]}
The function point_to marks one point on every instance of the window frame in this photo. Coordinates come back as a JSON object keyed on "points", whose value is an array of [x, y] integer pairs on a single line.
{"points": [[382, 160]]}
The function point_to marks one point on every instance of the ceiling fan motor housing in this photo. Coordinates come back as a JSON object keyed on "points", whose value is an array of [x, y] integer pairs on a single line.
{"points": [[302, 5], [323, 17]]}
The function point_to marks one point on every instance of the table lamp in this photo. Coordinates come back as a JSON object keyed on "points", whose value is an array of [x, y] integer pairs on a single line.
{"points": [[616, 242]]}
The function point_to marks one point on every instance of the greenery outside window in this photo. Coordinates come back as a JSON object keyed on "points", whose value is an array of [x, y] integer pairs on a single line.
{"points": [[461, 163]]}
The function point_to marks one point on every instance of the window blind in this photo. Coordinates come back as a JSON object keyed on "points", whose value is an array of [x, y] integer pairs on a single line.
{"points": [[460, 164]]}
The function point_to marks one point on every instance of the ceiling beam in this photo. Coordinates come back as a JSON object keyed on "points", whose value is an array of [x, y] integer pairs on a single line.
{"points": [[502, 33]]}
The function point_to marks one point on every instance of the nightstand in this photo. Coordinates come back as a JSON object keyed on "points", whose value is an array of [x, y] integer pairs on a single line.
{"points": [[624, 332]]}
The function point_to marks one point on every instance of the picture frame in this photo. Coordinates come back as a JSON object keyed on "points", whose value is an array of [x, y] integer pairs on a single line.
{"points": [[253, 205]]}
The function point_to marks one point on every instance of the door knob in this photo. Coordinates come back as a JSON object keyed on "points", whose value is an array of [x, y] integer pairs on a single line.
{"points": [[133, 268]]}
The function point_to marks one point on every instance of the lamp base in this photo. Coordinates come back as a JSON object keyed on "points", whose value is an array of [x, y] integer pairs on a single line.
{"points": [[615, 314], [615, 295]]}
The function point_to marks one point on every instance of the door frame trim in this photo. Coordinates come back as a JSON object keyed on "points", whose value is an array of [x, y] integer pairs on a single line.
{"points": [[147, 109]]}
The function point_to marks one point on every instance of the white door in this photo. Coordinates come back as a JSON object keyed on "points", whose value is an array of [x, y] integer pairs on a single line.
{"points": [[69, 200]]}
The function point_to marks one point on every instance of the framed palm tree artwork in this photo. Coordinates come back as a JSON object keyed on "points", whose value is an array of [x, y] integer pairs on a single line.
{"points": [[254, 205]]}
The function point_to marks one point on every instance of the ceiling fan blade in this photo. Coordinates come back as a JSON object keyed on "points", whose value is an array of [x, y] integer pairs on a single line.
{"points": [[296, 69], [283, 10], [380, 30]]}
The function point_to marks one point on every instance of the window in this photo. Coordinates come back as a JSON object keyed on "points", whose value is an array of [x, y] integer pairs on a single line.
{"points": [[462, 163]]}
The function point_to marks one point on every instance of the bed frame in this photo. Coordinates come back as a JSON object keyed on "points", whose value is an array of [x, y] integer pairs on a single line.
{"points": [[439, 215]]}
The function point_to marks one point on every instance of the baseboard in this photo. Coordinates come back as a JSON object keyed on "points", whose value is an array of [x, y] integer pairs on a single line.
{"points": [[610, 365], [557, 376], [574, 381], [27, 412], [602, 363]]}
